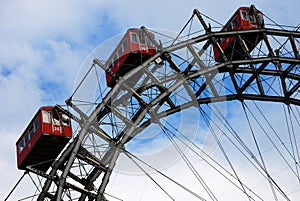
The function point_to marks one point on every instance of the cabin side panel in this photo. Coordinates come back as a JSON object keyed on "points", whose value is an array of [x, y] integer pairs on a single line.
{"points": [[241, 20], [51, 134], [136, 49], [29, 138]]}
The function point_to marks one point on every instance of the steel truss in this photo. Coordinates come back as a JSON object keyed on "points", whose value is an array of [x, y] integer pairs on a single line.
{"points": [[185, 68]]}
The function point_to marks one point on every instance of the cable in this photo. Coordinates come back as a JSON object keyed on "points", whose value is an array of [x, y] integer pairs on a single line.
{"points": [[213, 160], [189, 164], [150, 177], [15, 186], [82, 80], [212, 19], [226, 156], [190, 20], [277, 135], [260, 167], [290, 133], [293, 132], [164, 175], [259, 152]]}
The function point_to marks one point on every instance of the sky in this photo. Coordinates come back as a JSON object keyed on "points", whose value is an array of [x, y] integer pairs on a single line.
{"points": [[44, 43]]}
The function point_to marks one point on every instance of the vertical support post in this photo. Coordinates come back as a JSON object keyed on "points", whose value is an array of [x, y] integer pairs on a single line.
{"points": [[253, 11], [208, 30], [67, 168], [53, 171], [246, 52], [198, 14], [157, 45], [294, 46]]}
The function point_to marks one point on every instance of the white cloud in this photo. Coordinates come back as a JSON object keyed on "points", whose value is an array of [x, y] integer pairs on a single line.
{"points": [[146, 189], [34, 20], [173, 15], [43, 44]]}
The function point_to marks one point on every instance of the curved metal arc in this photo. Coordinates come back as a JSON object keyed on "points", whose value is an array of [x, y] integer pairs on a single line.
{"points": [[223, 68], [84, 130], [81, 135], [190, 75], [129, 133], [219, 34], [208, 70], [121, 81], [208, 100], [261, 70], [114, 156], [219, 66]]}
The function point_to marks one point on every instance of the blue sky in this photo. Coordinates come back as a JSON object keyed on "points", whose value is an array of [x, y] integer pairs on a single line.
{"points": [[44, 43]]}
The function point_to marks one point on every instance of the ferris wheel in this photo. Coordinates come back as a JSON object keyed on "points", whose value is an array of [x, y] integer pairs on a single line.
{"points": [[191, 113]]}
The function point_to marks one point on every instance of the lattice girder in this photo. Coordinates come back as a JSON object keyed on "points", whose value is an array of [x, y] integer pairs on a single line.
{"points": [[269, 73]]}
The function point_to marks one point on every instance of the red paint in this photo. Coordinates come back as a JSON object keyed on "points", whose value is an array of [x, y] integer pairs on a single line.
{"points": [[237, 22], [129, 54], [36, 147]]}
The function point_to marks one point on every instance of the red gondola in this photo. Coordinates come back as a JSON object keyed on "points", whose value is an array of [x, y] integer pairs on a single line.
{"points": [[44, 138], [243, 18], [135, 47]]}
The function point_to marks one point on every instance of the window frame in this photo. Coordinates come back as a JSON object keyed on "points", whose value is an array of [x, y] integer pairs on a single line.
{"points": [[244, 15], [142, 38], [134, 37], [22, 145], [120, 51], [235, 22], [125, 44], [229, 27], [46, 116], [252, 18]]}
